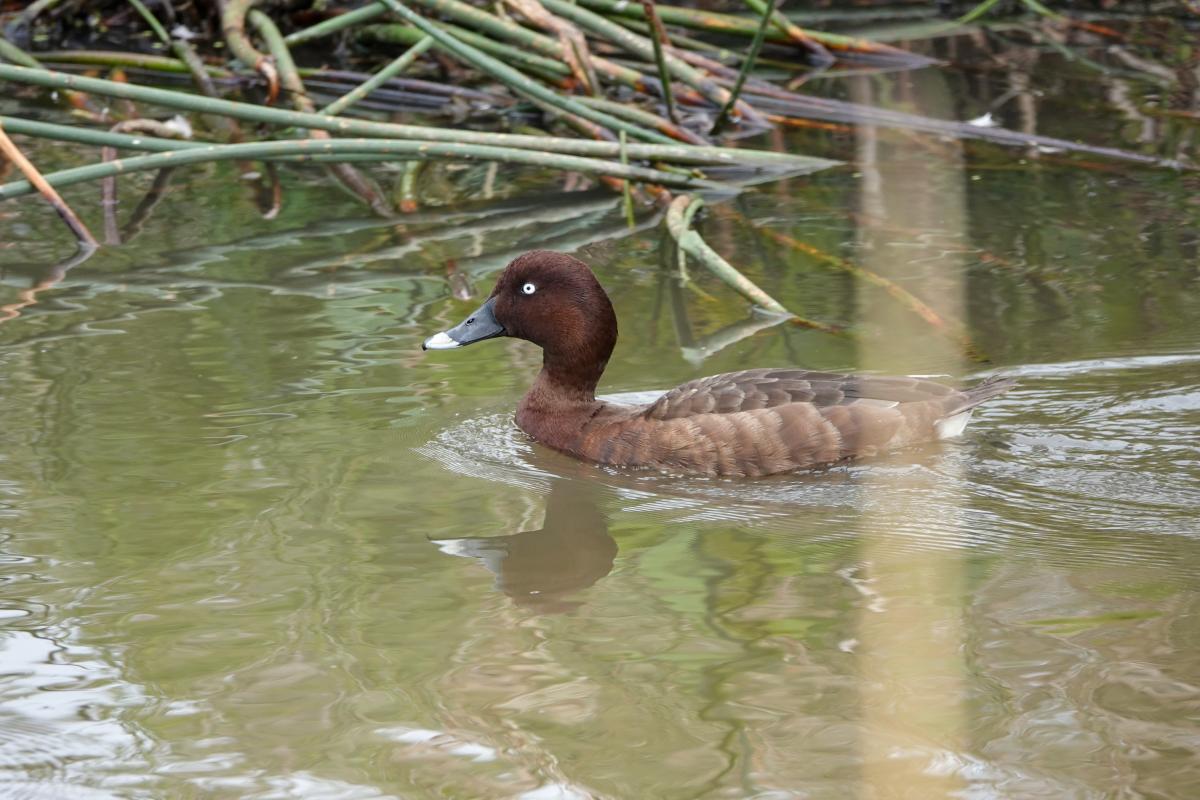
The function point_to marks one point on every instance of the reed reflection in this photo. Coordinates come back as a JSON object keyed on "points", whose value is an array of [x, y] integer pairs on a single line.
{"points": [[911, 641], [543, 569]]}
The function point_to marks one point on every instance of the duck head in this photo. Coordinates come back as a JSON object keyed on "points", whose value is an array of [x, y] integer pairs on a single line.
{"points": [[554, 301]]}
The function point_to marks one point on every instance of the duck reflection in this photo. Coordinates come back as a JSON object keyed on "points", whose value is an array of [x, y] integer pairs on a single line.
{"points": [[542, 569]]}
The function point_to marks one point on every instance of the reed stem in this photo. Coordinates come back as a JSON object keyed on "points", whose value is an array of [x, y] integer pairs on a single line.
{"points": [[421, 150], [747, 65], [679, 215], [658, 37], [378, 79]]}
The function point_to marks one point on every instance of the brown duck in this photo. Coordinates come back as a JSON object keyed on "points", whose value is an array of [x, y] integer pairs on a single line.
{"points": [[749, 423]]}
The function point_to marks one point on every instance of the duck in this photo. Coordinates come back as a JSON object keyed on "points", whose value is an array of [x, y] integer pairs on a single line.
{"points": [[750, 423]]}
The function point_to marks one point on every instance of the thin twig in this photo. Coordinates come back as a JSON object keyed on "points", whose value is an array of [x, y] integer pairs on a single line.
{"points": [[793, 31], [747, 65], [108, 186], [146, 205], [626, 192], [658, 37], [10, 151]]}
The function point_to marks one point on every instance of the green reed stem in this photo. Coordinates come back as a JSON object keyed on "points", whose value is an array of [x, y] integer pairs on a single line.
{"points": [[124, 141], [335, 24], [151, 20], [714, 22], [289, 77], [747, 65], [793, 31], [644, 117], [407, 34], [421, 150], [378, 79], [233, 25], [10, 52], [658, 37], [626, 192], [116, 58], [976, 12], [1038, 8], [94, 136]]}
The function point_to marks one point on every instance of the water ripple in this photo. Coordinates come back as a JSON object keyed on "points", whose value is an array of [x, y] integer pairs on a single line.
{"points": [[1083, 461]]}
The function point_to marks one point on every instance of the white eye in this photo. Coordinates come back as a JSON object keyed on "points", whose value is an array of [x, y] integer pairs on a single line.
{"points": [[528, 288]]}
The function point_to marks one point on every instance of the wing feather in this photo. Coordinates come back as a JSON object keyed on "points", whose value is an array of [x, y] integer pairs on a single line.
{"points": [[754, 389]]}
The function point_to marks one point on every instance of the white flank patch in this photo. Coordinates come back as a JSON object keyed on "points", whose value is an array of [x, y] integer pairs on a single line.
{"points": [[954, 425]]}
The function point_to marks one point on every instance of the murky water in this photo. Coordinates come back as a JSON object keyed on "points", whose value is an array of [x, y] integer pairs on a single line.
{"points": [[255, 543]]}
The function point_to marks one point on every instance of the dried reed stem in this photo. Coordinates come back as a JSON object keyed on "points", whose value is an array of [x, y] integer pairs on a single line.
{"points": [[10, 151]]}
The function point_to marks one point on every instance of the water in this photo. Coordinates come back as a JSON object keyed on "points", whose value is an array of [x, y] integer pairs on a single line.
{"points": [[255, 544]]}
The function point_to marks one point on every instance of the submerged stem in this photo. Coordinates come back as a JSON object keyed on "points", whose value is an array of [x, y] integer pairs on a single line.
{"points": [[678, 219]]}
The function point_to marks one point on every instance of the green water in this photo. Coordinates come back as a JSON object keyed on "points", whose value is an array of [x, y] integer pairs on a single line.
{"points": [[255, 543]]}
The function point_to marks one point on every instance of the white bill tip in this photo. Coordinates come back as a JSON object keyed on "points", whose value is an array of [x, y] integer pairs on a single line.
{"points": [[440, 341]]}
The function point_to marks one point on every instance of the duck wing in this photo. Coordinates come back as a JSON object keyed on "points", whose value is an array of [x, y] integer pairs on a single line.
{"points": [[753, 389]]}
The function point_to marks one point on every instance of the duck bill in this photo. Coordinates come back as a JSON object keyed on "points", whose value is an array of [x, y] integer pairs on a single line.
{"points": [[475, 328]]}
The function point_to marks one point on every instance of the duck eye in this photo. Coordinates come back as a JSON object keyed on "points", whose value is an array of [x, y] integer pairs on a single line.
{"points": [[528, 288]]}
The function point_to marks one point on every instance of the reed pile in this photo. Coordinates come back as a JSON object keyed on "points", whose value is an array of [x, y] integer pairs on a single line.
{"points": [[649, 98]]}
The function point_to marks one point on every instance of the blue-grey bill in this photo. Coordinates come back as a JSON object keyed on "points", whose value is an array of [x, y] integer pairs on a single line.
{"points": [[475, 328]]}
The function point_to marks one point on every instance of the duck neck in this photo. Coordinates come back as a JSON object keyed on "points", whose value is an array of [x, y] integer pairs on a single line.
{"points": [[565, 382], [561, 400]]}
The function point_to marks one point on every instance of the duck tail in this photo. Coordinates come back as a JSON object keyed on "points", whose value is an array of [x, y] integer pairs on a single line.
{"points": [[958, 415], [985, 390]]}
